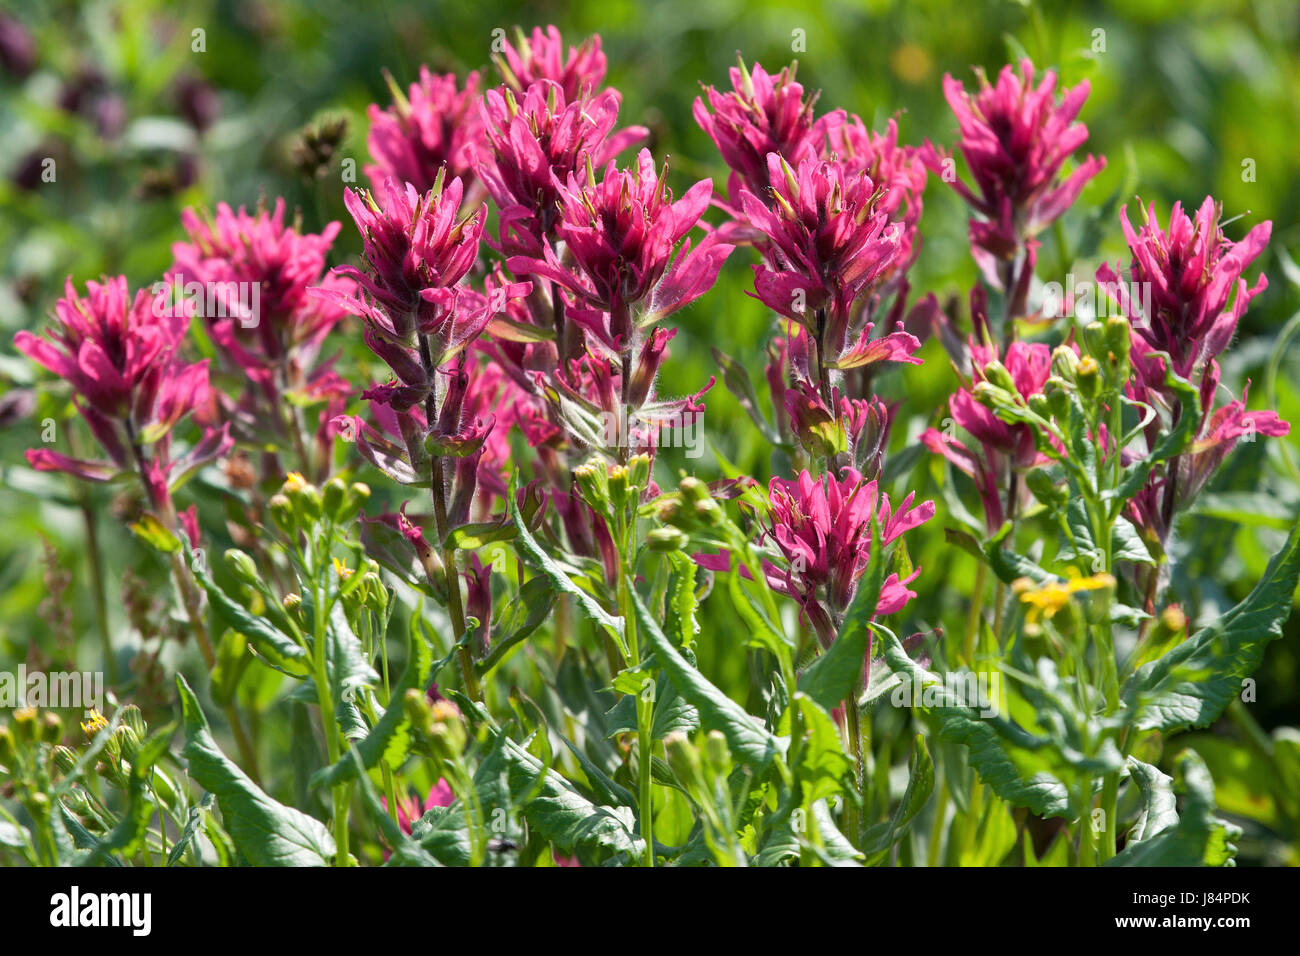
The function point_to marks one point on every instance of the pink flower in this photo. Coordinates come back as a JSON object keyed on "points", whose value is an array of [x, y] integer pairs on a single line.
{"points": [[897, 170], [417, 249], [622, 234], [410, 808], [828, 242], [762, 114], [542, 57], [1192, 276], [438, 124], [259, 252], [1000, 445], [1015, 138], [822, 527], [534, 147], [121, 357]]}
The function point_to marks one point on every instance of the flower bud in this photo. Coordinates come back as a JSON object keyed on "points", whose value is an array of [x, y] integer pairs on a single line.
{"points": [[1064, 362], [996, 373], [638, 473], [447, 732], [8, 750], [242, 566], [51, 727], [620, 488], [684, 760], [25, 729], [593, 484], [693, 489], [336, 491], [1087, 378], [281, 509], [376, 595], [664, 540], [1039, 405], [1057, 391], [38, 805], [1119, 339], [65, 760], [708, 512], [131, 716]]}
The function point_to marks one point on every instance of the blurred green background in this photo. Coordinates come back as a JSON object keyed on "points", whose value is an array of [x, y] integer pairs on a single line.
{"points": [[1188, 99]]}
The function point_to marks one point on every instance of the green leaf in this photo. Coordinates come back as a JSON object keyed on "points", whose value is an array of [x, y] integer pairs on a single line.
{"points": [[881, 838], [1193, 683], [390, 738], [555, 810], [736, 378], [1159, 805], [1199, 838], [1017, 764], [529, 546], [267, 640], [749, 741], [267, 833]]}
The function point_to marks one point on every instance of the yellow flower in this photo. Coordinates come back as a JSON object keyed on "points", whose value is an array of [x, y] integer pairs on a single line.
{"points": [[1043, 601], [95, 724], [343, 570], [294, 481]]}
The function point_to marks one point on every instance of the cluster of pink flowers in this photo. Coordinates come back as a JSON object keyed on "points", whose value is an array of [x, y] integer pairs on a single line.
{"points": [[1198, 294], [121, 355], [566, 332]]}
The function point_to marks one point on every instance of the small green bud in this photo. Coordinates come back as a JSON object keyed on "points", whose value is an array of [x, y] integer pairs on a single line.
{"points": [[1057, 391], [38, 805], [358, 495], [132, 717], [664, 540], [1039, 405], [8, 750], [447, 731], [242, 566], [693, 489], [593, 484], [282, 515], [51, 727], [25, 729], [376, 595], [77, 801], [638, 472], [1088, 379], [65, 760], [996, 373], [684, 760], [1119, 339], [620, 488], [129, 741], [418, 711], [1064, 362], [708, 512], [336, 492]]}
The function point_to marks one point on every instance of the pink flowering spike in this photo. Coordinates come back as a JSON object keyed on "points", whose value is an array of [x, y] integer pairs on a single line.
{"points": [[259, 274], [440, 795], [43, 459], [1184, 289], [119, 354], [827, 238], [541, 56], [761, 115], [823, 528], [532, 149], [438, 124], [621, 233], [1015, 138]]}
